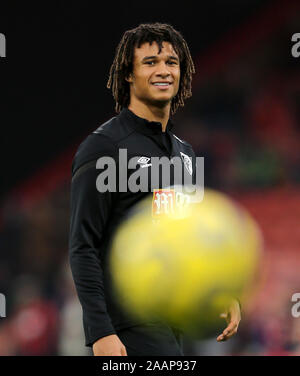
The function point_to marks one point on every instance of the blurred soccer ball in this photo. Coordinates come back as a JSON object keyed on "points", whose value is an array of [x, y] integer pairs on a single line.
{"points": [[187, 266]]}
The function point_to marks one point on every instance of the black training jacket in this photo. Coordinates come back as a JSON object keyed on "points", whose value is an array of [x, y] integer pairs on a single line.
{"points": [[95, 216]]}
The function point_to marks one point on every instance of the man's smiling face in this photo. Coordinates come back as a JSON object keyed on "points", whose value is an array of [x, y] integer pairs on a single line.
{"points": [[155, 77]]}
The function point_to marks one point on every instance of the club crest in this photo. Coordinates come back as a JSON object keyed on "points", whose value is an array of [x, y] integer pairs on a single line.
{"points": [[187, 162]]}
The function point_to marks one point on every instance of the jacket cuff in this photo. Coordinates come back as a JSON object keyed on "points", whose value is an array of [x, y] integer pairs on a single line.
{"points": [[93, 333]]}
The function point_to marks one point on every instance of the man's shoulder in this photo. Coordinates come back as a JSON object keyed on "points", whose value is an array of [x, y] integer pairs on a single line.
{"points": [[115, 129], [109, 128], [101, 142], [181, 142]]}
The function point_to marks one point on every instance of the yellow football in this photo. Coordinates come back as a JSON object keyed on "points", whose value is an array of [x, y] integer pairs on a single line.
{"points": [[185, 266]]}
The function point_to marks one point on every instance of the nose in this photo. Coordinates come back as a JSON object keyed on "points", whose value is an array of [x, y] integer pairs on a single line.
{"points": [[162, 70]]}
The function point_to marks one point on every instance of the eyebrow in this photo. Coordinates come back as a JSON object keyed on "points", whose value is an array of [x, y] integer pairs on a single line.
{"points": [[155, 57]]}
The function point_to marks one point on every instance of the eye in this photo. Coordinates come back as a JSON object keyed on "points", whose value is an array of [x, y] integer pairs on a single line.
{"points": [[171, 62], [149, 62]]}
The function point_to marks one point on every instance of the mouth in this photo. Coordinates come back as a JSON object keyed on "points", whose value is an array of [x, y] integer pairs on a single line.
{"points": [[162, 85]]}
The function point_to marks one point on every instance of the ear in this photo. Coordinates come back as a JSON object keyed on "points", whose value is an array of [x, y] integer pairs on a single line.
{"points": [[129, 78]]}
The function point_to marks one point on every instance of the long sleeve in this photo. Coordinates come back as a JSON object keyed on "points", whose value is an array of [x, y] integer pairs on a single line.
{"points": [[90, 211]]}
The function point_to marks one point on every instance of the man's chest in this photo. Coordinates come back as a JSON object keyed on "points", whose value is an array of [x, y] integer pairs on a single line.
{"points": [[154, 163]]}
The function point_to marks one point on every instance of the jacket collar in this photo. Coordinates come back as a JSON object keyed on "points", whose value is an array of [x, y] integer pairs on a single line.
{"points": [[143, 125]]}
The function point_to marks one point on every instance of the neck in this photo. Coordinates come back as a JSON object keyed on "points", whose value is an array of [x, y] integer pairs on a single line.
{"points": [[152, 112]]}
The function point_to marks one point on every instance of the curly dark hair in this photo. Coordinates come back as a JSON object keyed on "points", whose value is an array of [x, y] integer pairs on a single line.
{"points": [[123, 62]]}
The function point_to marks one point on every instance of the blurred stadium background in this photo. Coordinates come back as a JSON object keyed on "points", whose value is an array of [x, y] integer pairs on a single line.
{"points": [[244, 118]]}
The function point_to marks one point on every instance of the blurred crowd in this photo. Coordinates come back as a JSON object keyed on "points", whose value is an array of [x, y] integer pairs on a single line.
{"points": [[246, 123]]}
